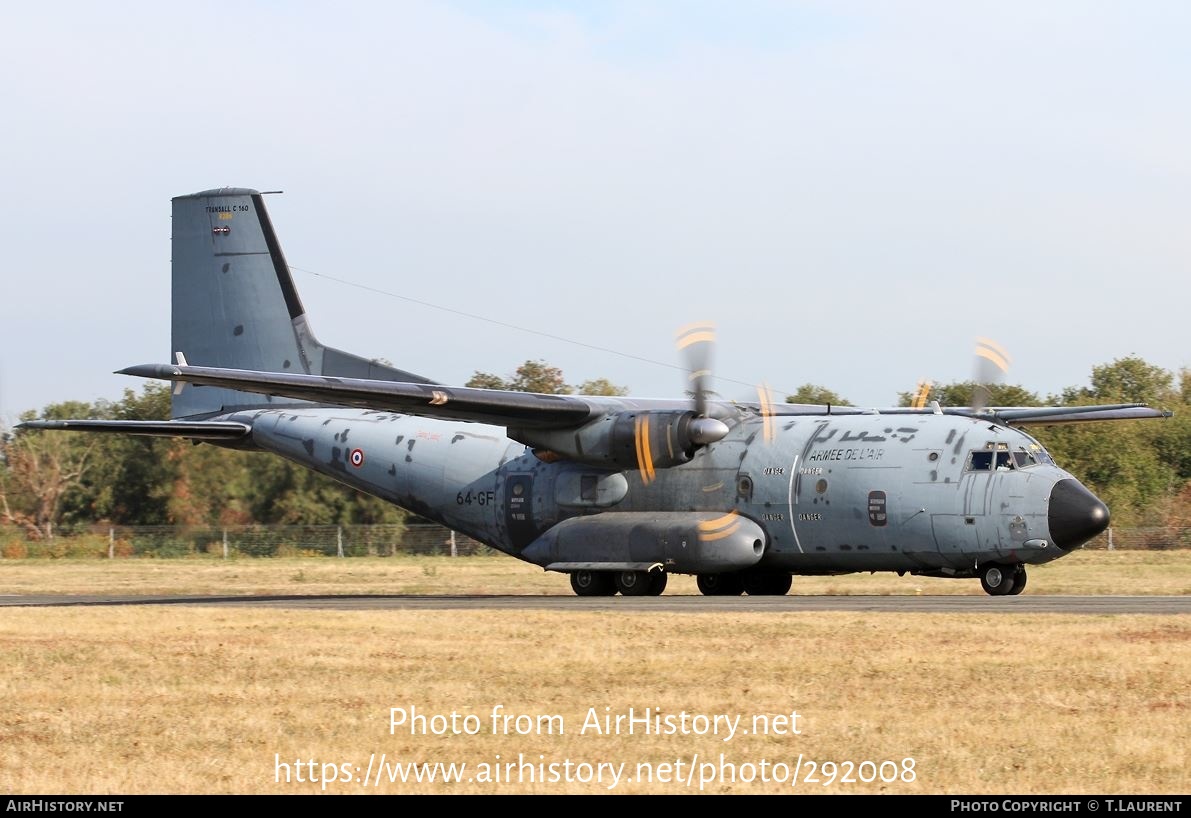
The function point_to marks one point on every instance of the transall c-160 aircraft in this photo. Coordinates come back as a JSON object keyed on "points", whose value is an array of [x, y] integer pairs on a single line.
{"points": [[618, 493]]}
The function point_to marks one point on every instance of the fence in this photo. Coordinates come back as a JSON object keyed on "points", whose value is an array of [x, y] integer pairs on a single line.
{"points": [[359, 541], [243, 541]]}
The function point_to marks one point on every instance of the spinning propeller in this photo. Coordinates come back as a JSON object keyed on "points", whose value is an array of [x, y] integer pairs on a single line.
{"points": [[696, 343], [992, 362], [661, 439]]}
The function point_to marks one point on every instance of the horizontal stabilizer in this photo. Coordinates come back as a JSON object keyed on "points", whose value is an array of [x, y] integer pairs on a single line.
{"points": [[497, 407], [193, 430]]}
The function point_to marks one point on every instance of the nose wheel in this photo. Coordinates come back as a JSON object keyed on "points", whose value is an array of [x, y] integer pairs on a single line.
{"points": [[1019, 580], [1003, 580]]}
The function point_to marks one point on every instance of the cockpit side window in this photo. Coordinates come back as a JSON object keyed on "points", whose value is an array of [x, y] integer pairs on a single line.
{"points": [[981, 461], [1024, 458], [1004, 461]]}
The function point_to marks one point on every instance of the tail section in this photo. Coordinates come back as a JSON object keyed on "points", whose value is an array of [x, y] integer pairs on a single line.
{"points": [[235, 304]]}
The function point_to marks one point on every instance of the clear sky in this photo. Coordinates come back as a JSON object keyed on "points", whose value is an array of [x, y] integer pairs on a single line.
{"points": [[852, 192]]}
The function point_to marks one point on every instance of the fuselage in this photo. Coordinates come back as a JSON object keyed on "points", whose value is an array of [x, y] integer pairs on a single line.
{"points": [[924, 494]]}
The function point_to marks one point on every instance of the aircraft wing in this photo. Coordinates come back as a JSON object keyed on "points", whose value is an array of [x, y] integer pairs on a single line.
{"points": [[498, 407], [1011, 415], [1026, 415], [521, 410]]}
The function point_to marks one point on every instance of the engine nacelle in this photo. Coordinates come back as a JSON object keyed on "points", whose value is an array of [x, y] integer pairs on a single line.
{"points": [[679, 542], [645, 440]]}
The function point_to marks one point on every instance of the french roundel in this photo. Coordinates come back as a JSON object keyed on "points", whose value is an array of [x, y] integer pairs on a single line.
{"points": [[357, 457]]}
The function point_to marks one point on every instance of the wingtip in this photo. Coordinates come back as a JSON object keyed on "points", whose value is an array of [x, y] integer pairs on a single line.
{"points": [[144, 370]]}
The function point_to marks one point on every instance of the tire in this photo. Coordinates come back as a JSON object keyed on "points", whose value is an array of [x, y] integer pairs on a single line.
{"points": [[657, 582], [592, 583], [767, 584], [1019, 581], [720, 584], [997, 580], [632, 583], [781, 584]]}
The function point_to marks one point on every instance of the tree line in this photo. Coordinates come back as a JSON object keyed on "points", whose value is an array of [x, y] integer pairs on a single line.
{"points": [[48, 480]]}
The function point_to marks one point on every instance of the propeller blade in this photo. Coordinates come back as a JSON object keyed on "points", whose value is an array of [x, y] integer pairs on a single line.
{"points": [[696, 342], [922, 395], [765, 401], [992, 361]]}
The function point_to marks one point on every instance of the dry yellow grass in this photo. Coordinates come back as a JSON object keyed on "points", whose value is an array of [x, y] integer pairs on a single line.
{"points": [[200, 700], [183, 699]]}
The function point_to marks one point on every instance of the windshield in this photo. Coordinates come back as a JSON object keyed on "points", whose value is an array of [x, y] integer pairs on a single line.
{"points": [[1036, 453]]}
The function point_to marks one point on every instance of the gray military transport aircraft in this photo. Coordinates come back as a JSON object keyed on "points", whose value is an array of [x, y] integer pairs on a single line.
{"points": [[616, 492]]}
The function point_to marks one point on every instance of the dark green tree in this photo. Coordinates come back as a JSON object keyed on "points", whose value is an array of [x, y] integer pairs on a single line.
{"points": [[961, 393], [813, 393], [602, 386], [486, 380], [44, 473], [1125, 380], [540, 377], [1136, 467], [544, 379], [132, 479]]}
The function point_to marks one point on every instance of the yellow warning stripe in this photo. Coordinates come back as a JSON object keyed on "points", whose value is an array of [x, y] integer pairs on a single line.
{"points": [[720, 527], [644, 455]]}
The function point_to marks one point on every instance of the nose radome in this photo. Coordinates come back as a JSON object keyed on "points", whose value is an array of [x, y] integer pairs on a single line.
{"points": [[1076, 515]]}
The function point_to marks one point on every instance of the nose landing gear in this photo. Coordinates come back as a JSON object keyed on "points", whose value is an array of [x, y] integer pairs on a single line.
{"points": [[1002, 580]]}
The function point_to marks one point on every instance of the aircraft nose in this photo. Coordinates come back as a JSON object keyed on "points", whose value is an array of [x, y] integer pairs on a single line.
{"points": [[1076, 515]]}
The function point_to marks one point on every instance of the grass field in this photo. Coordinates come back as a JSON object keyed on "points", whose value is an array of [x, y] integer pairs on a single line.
{"points": [[181, 699], [1083, 572]]}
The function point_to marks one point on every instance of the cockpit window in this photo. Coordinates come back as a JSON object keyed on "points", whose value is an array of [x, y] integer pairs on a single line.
{"points": [[981, 461], [996, 456], [1042, 455]]}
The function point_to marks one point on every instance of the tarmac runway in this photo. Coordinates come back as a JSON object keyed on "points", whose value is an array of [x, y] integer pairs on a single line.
{"points": [[1059, 604]]}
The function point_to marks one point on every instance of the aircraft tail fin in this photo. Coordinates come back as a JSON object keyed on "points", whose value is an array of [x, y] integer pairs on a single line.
{"points": [[235, 304]]}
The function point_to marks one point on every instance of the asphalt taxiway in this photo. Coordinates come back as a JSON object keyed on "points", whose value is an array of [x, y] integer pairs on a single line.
{"points": [[1056, 604]]}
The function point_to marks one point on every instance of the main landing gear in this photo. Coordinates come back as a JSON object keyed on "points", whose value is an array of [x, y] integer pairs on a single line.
{"points": [[753, 583], [653, 583], [1002, 580], [626, 583]]}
